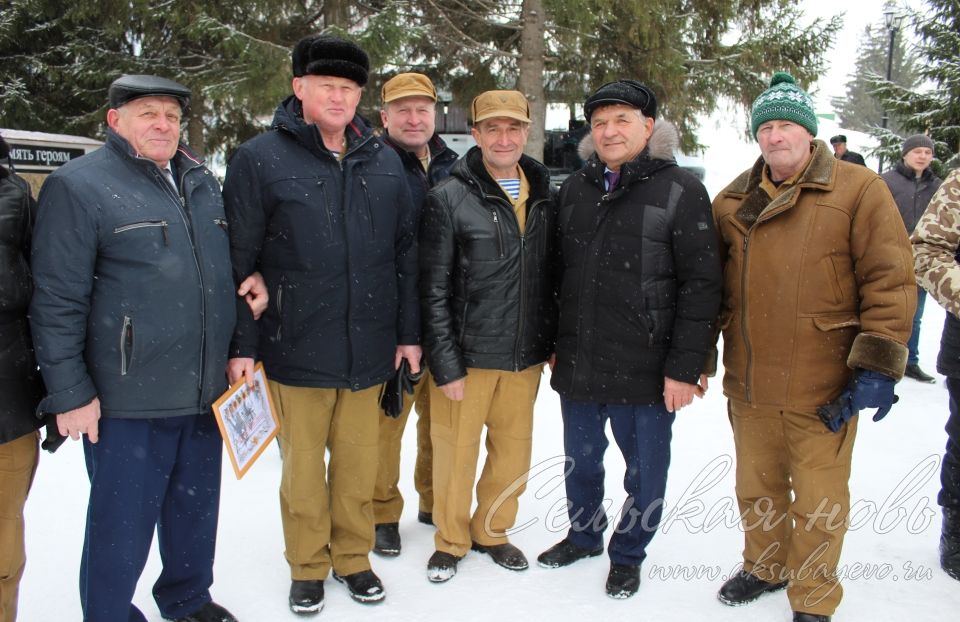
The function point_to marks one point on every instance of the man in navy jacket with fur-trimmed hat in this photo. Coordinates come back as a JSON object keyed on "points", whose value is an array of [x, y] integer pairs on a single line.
{"points": [[132, 312], [321, 208]]}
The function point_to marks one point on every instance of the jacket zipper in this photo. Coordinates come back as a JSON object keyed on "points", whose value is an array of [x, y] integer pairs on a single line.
{"points": [[147, 223], [743, 319], [523, 281], [126, 342], [181, 207], [496, 222], [521, 306], [326, 206], [346, 240], [649, 321], [366, 196]]}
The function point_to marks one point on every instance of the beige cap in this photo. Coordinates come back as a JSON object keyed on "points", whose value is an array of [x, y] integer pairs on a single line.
{"points": [[510, 104], [408, 85]]}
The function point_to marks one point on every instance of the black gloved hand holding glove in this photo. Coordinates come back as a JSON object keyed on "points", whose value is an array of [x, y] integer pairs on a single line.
{"points": [[391, 399], [867, 389]]}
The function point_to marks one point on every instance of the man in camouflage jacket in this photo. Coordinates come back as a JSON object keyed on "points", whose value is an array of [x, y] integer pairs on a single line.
{"points": [[936, 247]]}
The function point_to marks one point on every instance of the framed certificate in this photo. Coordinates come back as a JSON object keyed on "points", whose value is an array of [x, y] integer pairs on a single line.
{"points": [[247, 420]]}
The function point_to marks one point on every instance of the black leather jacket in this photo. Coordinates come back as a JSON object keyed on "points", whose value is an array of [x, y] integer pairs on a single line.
{"points": [[487, 293]]}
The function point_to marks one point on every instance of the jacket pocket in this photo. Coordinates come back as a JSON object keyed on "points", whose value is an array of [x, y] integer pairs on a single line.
{"points": [[369, 207], [126, 345], [144, 224], [463, 323], [279, 300], [836, 321]]}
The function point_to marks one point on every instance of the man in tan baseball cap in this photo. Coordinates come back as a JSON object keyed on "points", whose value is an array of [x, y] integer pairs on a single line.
{"points": [[409, 122], [489, 318]]}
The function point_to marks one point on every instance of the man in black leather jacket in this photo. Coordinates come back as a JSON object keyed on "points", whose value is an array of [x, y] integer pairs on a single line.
{"points": [[20, 383], [487, 296]]}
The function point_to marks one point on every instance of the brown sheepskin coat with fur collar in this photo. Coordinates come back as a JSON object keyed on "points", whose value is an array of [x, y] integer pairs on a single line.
{"points": [[817, 282]]}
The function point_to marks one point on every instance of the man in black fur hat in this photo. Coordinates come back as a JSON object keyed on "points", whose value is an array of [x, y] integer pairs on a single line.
{"points": [[322, 209]]}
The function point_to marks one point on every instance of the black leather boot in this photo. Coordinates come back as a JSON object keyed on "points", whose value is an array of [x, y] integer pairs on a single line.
{"points": [[950, 542]]}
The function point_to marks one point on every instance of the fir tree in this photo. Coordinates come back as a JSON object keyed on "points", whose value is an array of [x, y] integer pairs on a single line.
{"points": [[859, 109], [934, 108]]}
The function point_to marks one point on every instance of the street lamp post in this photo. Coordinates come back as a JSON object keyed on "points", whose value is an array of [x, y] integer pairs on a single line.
{"points": [[894, 22]]}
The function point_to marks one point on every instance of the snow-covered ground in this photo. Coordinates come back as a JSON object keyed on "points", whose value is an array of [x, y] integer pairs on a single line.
{"points": [[890, 556]]}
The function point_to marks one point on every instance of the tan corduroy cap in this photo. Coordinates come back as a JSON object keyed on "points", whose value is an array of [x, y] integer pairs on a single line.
{"points": [[510, 104], [408, 85]]}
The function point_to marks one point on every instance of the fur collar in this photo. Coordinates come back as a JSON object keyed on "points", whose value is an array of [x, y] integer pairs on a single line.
{"points": [[663, 143], [820, 173]]}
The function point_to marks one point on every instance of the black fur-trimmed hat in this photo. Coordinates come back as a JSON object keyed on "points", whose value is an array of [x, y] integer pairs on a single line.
{"points": [[325, 55]]}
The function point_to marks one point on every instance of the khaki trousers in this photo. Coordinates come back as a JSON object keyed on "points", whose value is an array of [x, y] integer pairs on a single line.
{"points": [[327, 511], [784, 452], [18, 463], [503, 401], [387, 500]]}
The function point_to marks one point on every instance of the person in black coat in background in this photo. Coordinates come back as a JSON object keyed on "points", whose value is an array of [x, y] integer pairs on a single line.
{"points": [[840, 151], [20, 385]]}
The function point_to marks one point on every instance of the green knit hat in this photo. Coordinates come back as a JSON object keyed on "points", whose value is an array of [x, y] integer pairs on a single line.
{"points": [[783, 101]]}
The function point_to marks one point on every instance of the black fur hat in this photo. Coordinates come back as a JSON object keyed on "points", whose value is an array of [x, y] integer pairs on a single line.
{"points": [[324, 55]]}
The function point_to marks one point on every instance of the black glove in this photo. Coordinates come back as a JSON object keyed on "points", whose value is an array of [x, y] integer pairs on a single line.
{"points": [[867, 389], [53, 440], [391, 399]]}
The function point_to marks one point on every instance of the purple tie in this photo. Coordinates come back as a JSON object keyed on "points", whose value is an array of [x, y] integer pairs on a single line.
{"points": [[613, 178]]}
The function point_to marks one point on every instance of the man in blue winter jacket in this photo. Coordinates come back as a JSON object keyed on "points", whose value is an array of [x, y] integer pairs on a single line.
{"points": [[132, 313]]}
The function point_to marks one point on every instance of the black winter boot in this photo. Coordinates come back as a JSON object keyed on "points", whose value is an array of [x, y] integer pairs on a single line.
{"points": [[365, 586], [387, 542], [745, 587], [564, 553], [950, 543], [306, 597], [623, 581], [799, 616], [914, 371]]}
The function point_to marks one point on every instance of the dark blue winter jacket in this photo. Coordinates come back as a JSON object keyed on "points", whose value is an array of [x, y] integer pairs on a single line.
{"points": [[133, 297], [335, 241]]}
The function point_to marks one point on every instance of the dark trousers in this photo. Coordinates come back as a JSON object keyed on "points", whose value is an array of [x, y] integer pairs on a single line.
{"points": [[913, 344], [146, 474], [950, 468], [643, 434]]}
